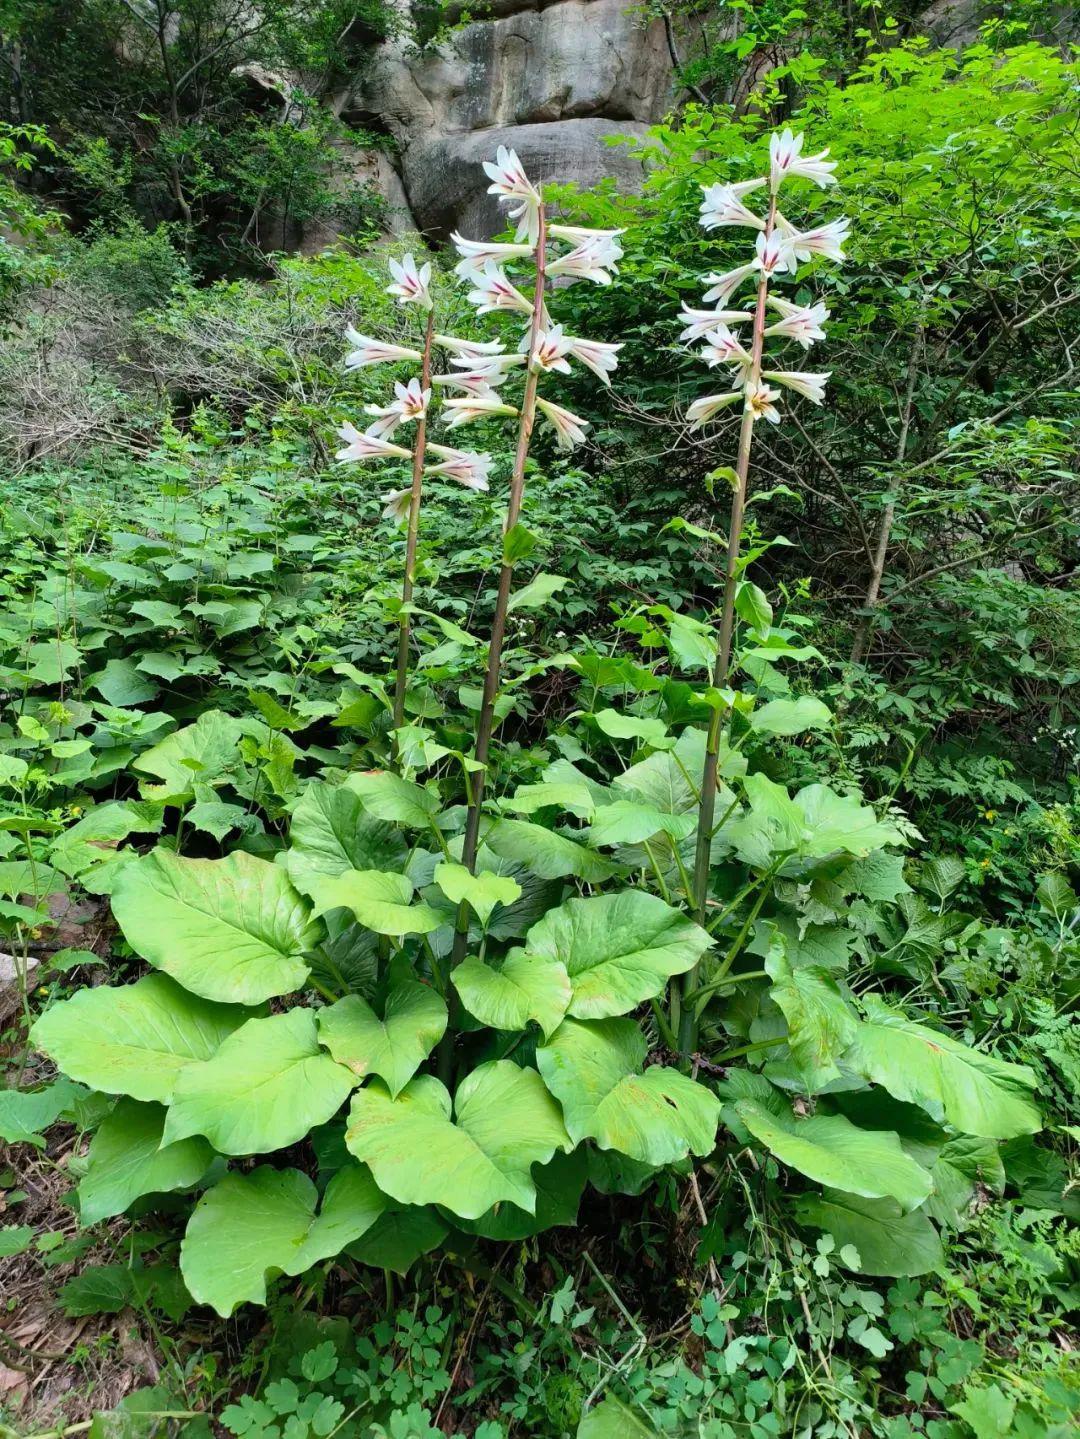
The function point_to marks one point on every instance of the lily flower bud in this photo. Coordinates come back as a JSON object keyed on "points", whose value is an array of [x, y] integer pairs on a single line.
{"points": [[569, 428], [810, 386], [366, 351]]}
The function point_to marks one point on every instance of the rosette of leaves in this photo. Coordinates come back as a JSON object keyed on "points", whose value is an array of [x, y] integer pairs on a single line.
{"points": [[312, 1000]]}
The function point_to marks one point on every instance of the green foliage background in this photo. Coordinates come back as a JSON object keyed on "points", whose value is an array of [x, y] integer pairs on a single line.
{"points": [[179, 550]]}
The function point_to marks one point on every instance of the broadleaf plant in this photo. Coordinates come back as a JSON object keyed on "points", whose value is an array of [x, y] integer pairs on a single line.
{"points": [[456, 998]]}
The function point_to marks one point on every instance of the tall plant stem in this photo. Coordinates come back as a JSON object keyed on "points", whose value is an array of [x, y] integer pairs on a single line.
{"points": [[402, 673], [707, 812], [486, 723]]}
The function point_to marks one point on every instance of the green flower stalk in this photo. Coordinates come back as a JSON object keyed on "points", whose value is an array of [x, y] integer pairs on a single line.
{"points": [[779, 247]]}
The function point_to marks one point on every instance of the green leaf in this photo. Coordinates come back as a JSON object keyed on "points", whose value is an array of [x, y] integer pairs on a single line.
{"points": [[230, 929], [537, 592], [200, 751], [381, 902], [791, 717], [820, 1021], [15, 1239], [504, 1122], [812, 825], [399, 1237], [1056, 895], [482, 891], [963, 1163], [120, 683], [549, 855], [331, 833], [251, 1226], [267, 1085], [559, 1187], [592, 1069], [127, 1160], [618, 949], [888, 1241], [26, 1113], [625, 822], [879, 877], [832, 1151], [527, 986], [134, 1039], [576, 798], [394, 1047], [388, 796], [752, 605], [942, 876], [988, 1411], [974, 1091], [612, 1419], [649, 730]]}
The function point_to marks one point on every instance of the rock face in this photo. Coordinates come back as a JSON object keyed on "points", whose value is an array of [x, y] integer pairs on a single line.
{"points": [[548, 80]]}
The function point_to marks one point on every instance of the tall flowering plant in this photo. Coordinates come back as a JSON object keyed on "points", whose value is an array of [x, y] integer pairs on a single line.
{"points": [[545, 351], [470, 391], [757, 383]]}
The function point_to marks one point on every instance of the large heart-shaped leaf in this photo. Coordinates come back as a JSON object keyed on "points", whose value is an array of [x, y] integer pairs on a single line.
{"points": [[230, 929], [251, 1226], [832, 1151], [198, 752], [331, 832], [387, 796], [381, 902], [127, 1160], [550, 855], [559, 1186], [618, 949], [628, 822], [527, 986], [820, 1021], [593, 1070], [504, 1122], [791, 717], [974, 1091], [136, 1038], [398, 1238], [268, 1084], [888, 1241], [815, 823], [394, 1047], [482, 891]]}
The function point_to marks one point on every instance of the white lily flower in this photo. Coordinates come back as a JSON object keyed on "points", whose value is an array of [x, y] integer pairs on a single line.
{"points": [[367, 446], [410, 284], [516, 191], [494, 291], [827, 240], [701, 411], [699, 322], [724, 348], [411, 402], [725, 285], [490, 364], [596, 355], [786, 158], [466, 408], [550, 351], [468, 349], [591, 260], [580, 234], [367, 351], [723, 205], [798, 322], [467, 467], [472, 382], [569, 428], [396, 504], [803, 382], [476, 253], [759, 401], [774, 254]]}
